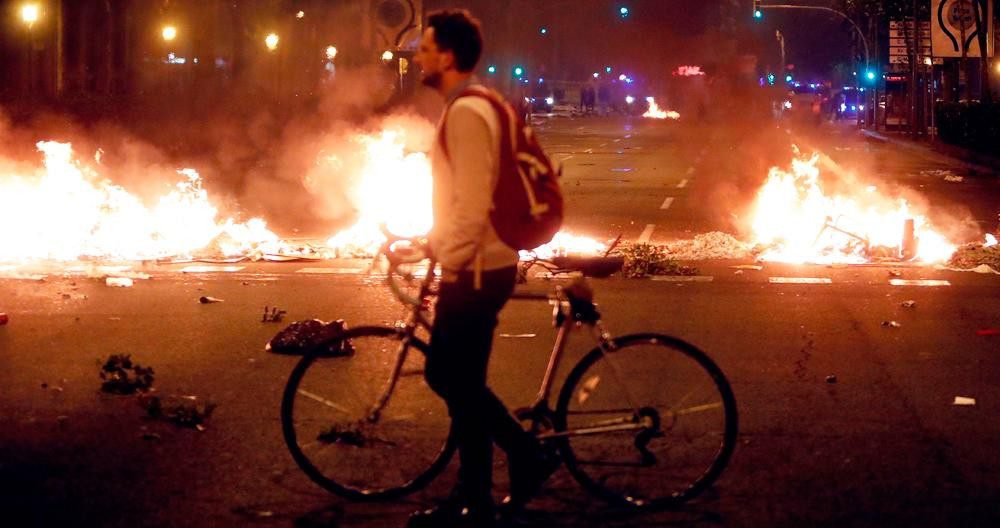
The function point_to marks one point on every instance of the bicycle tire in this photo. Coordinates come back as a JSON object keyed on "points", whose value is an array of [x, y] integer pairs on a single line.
{"points": [[335, 445], [597, 461]]}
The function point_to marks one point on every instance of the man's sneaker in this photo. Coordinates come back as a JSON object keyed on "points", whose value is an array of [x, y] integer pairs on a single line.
{"points": [[527, 474], [453, 514]]}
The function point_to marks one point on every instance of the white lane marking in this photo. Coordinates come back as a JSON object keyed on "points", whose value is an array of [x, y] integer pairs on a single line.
{"points": [[683, 183], [922, 282], [690, 171], [603, 145], [666, 203], [589, 151], [321, 399], [566, 158], [210, 269], [617, 140], [800, 280], [646, 234], [333, 271], [682, 278]]}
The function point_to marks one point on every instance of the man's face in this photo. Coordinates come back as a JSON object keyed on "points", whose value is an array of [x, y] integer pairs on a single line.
{"points": [[433, 62]]}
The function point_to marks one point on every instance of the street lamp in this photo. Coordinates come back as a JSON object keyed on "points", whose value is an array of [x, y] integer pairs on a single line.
{"points": [[169, 33], [387, 56], [29, 14], [331, 52], [271, 41]]}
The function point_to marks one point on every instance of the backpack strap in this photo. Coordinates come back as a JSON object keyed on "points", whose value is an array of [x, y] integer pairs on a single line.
{"points": [[505, 115]]}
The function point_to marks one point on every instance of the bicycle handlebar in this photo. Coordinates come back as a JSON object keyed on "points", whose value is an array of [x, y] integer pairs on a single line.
{"points": [[415, 251]]}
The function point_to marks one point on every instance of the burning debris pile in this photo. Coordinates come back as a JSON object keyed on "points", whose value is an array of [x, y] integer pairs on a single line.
{"points": [[795, 220], [67, 211], [973, 255], [655, 112], [714, 245]]}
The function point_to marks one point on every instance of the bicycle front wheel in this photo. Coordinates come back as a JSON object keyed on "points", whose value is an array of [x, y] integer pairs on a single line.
{"points": [[360, 431], [651, 423]]}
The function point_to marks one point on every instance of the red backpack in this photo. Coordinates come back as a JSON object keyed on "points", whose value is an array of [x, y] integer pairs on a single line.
{"points": [[527, 203]]}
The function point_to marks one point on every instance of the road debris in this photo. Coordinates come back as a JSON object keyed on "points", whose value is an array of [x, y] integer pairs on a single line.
{"points": [[832, 378], [121, 376], [119, 282], [908, 304], [185, 411], [964, 401], [953, 178], [974, 256], [895, 273], [273, 316], [747, 267], [988, 332], [150, 436], [204, 299], [518, 336], [891, 324], [643, 260], [4, 319], [337, 434], [302, 336]]}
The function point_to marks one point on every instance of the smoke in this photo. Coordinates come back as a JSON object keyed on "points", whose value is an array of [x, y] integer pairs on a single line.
{"points": [[294, 164]]}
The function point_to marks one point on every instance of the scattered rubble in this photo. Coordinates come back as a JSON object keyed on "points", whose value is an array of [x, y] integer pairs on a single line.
{"points": [[643, 260], [302, 336], [204, 299], [273, 316], [119, 282], [972, 256], [832, 378], [121, 376], [4, 319], [337, 434], [185, 411], [908, 304], [891, 324], [713, 245], [964, 401]]}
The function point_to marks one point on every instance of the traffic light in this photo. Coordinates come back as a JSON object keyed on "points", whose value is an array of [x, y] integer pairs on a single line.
{"points": [[623, 12], [770, 78], [518, 71], [757, 13], [788, 78], [607, 69], [544, 31], [492, 69], [870, 75]]}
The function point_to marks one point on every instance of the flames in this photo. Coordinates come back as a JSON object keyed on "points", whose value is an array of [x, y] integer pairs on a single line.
{"points": [[655, 112], [798, 222], [66, 211]]}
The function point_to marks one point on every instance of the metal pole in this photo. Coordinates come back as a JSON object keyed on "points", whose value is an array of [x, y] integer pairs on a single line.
{"points": [[864, 40]]}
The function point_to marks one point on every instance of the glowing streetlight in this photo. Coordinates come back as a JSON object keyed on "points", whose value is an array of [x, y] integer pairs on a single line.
{"points": [[300, 14], [387, 55], [622, 77], [29, 14], [169, 33], [271, 41], [331, 52]]}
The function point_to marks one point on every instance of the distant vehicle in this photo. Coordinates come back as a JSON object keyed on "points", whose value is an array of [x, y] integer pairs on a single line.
{"points": [[806, 102], [850, 104]]}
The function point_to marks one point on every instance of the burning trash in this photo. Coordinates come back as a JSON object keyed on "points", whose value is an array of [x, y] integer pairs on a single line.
{"points": [[797, 221], [655, 112]]}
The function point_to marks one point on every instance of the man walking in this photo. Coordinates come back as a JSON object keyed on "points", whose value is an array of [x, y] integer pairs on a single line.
{"points": [[478, 273]]}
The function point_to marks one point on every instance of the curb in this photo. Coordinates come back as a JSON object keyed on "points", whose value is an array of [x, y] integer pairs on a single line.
{"points": [[967, 158]]}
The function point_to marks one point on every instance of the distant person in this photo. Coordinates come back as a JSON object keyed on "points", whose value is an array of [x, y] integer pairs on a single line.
{"points": [[604, 97], [478, 272]]}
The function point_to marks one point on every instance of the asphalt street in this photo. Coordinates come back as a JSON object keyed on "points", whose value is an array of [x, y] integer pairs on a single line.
{"points": [[843, 421]]}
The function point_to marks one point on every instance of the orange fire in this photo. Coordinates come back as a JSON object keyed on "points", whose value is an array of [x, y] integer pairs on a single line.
{"points": [[66, 211], [798, 222], [655, 112]]}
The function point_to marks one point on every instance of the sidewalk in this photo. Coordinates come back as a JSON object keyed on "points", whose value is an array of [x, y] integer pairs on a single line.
{"points": [[937, 149]]}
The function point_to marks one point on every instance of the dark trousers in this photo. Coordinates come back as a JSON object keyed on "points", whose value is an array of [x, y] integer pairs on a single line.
{"points": [[464, 321]]}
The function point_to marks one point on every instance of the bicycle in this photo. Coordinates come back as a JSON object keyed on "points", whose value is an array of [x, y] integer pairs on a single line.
{"points": [[645, 420]]}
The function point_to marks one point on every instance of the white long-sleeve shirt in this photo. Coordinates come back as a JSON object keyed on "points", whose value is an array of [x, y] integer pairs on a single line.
{"points": [[464, 181]]}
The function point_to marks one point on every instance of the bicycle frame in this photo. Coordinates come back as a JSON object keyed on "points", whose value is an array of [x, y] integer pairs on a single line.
{"points": [[564, 317]]}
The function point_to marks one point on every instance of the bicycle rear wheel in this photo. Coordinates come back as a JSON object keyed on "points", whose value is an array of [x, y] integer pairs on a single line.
{"points": [[349, 443], [650, 424]]}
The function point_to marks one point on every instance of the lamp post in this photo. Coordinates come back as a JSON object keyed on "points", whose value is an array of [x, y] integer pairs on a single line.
{"points": [[30, 14]]}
